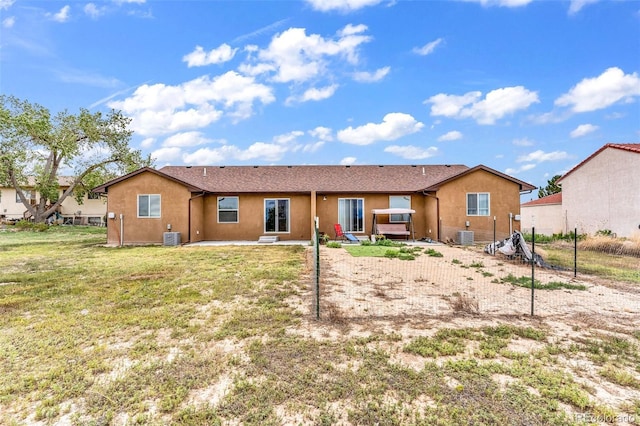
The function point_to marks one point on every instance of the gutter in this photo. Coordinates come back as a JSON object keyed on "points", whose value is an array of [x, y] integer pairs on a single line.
{"points": [[437, 213], [189, 216]]}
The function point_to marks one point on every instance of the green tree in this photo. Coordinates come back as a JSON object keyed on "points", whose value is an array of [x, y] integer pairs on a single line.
{"points": [[35, 147], [551, 188]]}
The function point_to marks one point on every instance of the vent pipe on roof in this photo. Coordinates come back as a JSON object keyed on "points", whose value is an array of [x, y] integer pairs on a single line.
{"points": [[423, 171], [204, 171]]}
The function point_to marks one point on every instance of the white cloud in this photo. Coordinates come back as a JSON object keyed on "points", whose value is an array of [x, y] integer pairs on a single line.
{"points": [[368, 77], [453, 135], [9, 22], [451, 105], [394, 126], [502, 3], [288, 138], [341, 5], [186, 139], [294, 56], [6, 4], [540, 156], [62, 15], [147, 142], [167, 155], [411, 152], [583, 129], [313, 147], [427, 48], [524, 168], [322, 133], [600, 92], [347, 161], [496, 104], [219, 55], [160, 109], [577, 5], [314, 94], [93, 11]]}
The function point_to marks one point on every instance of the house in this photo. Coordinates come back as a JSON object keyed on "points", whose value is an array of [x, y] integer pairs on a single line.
{"points": [[545, 213], [208, 203], [603, 191], [91, 212]]}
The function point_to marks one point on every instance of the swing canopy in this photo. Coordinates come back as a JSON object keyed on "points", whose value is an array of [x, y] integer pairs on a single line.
{"points": [[378, 212]]}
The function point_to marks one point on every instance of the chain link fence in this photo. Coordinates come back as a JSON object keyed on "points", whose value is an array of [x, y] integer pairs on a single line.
{"points": [[367, 281]]}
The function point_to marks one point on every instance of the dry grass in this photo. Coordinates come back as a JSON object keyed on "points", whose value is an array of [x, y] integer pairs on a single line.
{"points": [[611, 245], [462, 303]]}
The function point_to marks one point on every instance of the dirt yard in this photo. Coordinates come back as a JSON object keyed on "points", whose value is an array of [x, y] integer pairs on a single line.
{"points": [[434, 286], [465, 289]]}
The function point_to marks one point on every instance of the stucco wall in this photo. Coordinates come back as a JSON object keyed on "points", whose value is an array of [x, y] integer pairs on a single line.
{"points": [[123, 200], [504, 199], [251, 214], [548, 219], [327, 211], [604, 193]]}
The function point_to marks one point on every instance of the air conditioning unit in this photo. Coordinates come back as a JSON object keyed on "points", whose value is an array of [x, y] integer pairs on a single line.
{"points": [[171, 239], [465, 238]]}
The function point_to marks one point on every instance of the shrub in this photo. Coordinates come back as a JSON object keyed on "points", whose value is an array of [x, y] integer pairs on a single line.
{"points": [[334, 244], [25, 225]]}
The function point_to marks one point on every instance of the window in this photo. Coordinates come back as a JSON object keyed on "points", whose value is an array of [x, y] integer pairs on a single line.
{"points": [[149, 205], [93, 196], [227, 209], [399, 202], [478, 204], [276, 215], [28, 194], [351, 214]]}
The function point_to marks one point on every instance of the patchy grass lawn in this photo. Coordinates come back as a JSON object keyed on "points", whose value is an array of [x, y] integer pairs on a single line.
{"points": [[218, 335], [611, 266]]}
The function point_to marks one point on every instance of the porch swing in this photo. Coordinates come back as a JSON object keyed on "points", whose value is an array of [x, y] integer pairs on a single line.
{"points": [[393, 228]]}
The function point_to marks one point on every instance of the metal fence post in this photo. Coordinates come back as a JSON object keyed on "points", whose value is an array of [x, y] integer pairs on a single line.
{"points": [[316, 246], [533, 264], [575, 252]]}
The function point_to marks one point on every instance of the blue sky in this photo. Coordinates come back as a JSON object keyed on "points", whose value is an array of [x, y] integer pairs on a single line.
{"points": [[529, 88]]}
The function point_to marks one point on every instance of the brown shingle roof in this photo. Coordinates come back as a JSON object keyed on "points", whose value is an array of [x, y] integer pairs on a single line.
{"points": [[304, 179], [386, 179], [549, 199]]}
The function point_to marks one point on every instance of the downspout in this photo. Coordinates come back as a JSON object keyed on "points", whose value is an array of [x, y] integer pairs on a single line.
{"points": [[189, 215], [121, 229], [437, 213], [511, 215]]}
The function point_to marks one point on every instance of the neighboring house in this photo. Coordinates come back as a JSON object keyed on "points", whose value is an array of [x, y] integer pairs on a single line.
{"points": [[246, 202], [545, 213], [91, 212], [603, 191]]}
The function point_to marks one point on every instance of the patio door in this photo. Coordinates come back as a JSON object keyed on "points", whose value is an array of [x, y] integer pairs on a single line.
{"points": [[276, 215], [351, 214]]}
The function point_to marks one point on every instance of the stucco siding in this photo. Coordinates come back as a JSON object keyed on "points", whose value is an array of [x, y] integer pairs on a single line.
{"points": [[123, 203], [548, 219], [327, 210], [504, 198], [251, 218], [604, 193]]}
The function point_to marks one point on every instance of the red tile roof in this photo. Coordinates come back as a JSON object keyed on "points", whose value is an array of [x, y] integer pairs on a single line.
{"points": [[549, 199], [631, 147]]}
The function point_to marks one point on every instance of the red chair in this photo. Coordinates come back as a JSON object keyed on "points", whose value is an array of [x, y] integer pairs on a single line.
{"points": [[349, 237]]}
